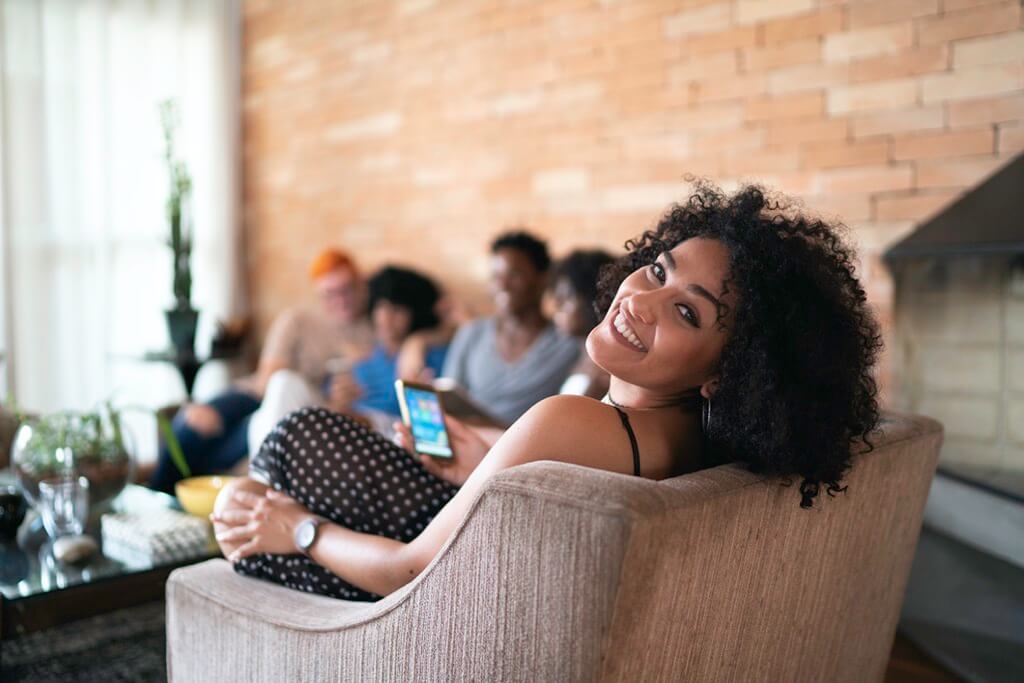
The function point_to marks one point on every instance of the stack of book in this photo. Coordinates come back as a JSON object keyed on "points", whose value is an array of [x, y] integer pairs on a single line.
{"points": [[155, 537]]}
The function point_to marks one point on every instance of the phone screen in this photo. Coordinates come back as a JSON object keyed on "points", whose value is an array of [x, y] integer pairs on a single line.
{"points": [[427, 422]]}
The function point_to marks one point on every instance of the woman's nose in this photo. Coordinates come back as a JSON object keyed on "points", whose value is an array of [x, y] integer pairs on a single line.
{"points": [[640, 306]]}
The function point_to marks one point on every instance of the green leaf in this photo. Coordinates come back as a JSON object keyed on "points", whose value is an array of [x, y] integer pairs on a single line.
{"points": [[173, 446]]}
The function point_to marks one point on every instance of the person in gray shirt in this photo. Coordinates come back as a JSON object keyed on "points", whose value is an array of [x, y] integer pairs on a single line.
{"points": [[514, 359]]}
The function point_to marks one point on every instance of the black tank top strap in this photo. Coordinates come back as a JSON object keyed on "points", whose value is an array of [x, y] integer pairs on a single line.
{"points": [[632, 440]]}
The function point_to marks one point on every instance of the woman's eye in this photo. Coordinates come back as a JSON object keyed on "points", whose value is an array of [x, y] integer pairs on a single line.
{"points": [[688, 313], [658, 272]]}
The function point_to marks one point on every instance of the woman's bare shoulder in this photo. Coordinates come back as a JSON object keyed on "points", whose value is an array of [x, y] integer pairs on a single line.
{"points": [[572, 429]]}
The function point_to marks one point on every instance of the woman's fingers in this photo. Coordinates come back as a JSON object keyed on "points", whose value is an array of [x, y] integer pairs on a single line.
{"points": [[231, 517], [250, 548], [238, 533], [403, 435], [249, 500], [434, 466]]}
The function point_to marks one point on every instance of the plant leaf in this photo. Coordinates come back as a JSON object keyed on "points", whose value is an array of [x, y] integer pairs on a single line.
{"points": [[173, 446]]}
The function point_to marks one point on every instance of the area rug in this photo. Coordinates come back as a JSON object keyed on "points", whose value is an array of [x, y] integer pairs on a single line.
{"points": [[126, 645]]}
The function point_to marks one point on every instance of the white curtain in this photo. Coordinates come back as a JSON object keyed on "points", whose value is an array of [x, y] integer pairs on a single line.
{"points": [[85, 269]]}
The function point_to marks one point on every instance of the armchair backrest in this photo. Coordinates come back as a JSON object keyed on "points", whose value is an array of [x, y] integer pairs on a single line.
{"points": [[727, 578]]}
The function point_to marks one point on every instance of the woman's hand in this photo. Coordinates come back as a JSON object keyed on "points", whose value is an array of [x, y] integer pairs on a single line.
{"points": [[468, 446], [344, 391], [261, 524]]}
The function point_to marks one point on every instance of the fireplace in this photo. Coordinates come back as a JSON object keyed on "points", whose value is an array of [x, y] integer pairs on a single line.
{"points": [[959, 330], [959, 357]]}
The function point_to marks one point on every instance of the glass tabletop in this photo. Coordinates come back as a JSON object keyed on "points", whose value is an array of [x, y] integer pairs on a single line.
{"points": [[28, 567]]}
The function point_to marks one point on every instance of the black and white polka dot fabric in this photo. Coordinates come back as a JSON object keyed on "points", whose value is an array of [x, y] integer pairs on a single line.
{"points": [[350, 475]]}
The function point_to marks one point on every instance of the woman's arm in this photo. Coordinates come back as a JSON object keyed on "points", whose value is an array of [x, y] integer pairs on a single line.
{"points": [[381, 565]]}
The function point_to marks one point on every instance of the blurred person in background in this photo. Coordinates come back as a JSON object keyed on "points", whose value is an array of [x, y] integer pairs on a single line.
{"points": [[305, 341], [402, 302], [515, 358], [573, 292]]}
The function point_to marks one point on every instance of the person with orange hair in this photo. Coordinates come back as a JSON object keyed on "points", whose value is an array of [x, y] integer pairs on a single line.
{"points": [[214, 436]]}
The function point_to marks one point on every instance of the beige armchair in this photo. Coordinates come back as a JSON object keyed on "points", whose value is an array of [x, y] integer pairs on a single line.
{"points": [[563, 573]]}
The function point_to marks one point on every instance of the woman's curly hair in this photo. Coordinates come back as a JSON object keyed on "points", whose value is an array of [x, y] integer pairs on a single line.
{"points": [[796, 393]]}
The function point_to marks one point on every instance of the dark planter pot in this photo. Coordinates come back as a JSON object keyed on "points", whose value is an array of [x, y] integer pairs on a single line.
{"points": [[181, 324], [12, 511]]}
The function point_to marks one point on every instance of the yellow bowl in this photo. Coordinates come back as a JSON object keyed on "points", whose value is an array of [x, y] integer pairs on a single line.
{"points": [[197, 494]]}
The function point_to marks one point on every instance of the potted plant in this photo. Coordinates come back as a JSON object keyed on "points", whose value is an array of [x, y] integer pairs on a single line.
{"points": [[102, 450], [182, 319], [100, 447]]}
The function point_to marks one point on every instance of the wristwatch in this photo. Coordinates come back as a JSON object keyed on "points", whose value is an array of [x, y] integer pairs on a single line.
{"points": [[305, 534]]}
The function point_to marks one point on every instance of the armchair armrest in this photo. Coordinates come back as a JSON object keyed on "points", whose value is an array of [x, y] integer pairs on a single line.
{"points": [[524, 589]]}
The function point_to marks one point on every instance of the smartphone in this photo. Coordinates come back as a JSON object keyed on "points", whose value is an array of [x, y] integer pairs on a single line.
{"points": [[421, 412]]}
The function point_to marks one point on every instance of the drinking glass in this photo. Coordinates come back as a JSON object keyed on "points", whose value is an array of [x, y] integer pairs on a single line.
{"points": [[64, 505]]}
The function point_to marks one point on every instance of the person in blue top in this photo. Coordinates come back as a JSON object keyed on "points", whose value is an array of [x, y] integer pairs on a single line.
{"points": [[401, 302]]}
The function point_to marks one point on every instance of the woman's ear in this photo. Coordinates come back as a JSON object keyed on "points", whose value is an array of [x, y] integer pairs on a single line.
{"points": [[708, 389]]}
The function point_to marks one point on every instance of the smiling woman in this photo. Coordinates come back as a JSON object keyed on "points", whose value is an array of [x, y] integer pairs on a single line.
{"points": [[734, 309]]}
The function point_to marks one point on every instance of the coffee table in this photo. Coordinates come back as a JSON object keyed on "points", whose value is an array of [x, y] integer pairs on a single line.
{"points": [[37, 592]]}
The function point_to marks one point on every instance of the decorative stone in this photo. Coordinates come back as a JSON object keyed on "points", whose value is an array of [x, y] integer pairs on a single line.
{"points": [[72, 549]]}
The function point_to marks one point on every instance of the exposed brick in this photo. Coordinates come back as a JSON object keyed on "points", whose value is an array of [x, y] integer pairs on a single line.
{"points": [[580, 118], [956, 5], [810, 25], [785, 107], [698, 20], [887, 122], [868, 179], [750, 11], [560, 181], [1008, 47], [957, 143], [866, 42], [709, 117], [981, 21], [808, 77], [648, 197], [735, 88], [1010, 138], [703, 67], [827, 155], [717, 142], [378, 125], [795, 183], [978, 81], [795, 131], [873, 13], [932, 174], [911, 207], [872, 96], [874, 236], [988, 110], [846, 207], [729, 39], [784, 54], [755, 163], [911, 63]]}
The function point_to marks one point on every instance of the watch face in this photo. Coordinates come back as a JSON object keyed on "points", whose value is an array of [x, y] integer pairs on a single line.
{"points": [[305, 534]]}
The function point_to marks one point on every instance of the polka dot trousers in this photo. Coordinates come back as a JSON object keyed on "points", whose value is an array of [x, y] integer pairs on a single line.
{"points": [[350, 475]]}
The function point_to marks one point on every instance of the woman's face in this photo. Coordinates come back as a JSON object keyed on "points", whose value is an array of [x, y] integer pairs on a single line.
{"points": [[570, 313], [663, 332], [391, 323], [341, 295], [516, 284]]}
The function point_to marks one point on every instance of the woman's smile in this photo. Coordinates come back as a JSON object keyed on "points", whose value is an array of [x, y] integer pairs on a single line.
{"points": [[624, 333]]}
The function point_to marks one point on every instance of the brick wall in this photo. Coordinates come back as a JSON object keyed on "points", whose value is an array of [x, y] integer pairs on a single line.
{"points": [[960, 357], [414, 130]]}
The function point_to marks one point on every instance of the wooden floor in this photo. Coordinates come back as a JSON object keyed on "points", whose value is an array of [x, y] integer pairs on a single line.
{"points": [[909, 664]]}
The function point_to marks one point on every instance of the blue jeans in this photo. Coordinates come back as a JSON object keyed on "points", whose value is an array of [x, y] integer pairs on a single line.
{"points": [[209, 454]]}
